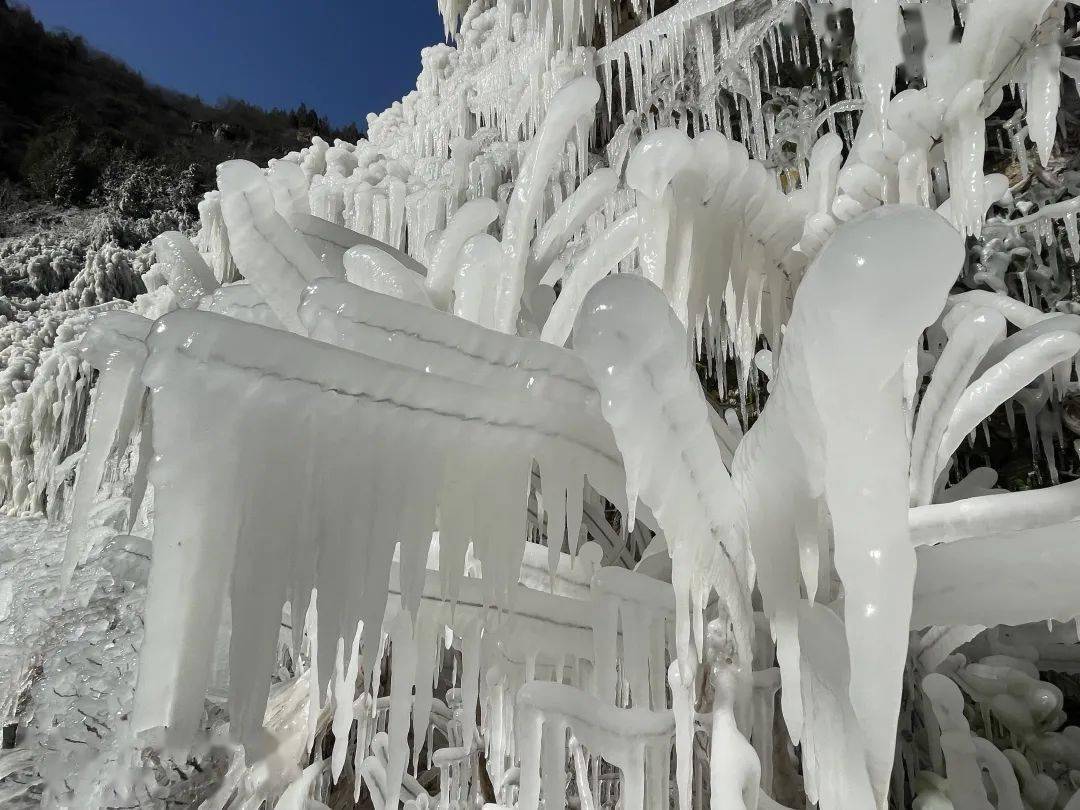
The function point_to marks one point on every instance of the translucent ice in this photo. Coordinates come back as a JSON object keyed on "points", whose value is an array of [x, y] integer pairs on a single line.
{"points": [[114, 345], [363, 398], [853, 450], [187, 273], [645, 379]]}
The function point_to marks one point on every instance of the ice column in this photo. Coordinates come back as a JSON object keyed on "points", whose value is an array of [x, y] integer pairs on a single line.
{"points": [[838, 398]]}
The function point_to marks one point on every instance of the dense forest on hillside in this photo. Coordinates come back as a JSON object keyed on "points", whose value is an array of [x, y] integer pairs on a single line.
{"points": [[77, 124]]}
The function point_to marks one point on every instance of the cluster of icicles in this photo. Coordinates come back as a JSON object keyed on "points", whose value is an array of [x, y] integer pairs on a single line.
{"points": [[308, 431]]}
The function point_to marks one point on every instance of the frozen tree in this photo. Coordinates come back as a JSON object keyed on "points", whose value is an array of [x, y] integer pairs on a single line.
{"points": [[620, 425]]}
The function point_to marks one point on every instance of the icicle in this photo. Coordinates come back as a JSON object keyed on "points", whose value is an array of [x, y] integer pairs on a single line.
{"points": [[238, 365], [146, 451], [114, 344], [345, 673], [1043, 88], [614, 355], [402, 680], [965, 141], [427, 630], [833, 756], [682, 706], [770, 530], [1046, 436], [600, 258], [311, 632], [623, 737], [470, 685]]}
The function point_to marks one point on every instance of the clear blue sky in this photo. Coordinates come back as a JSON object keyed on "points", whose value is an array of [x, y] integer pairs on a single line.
{"points": [[345, 58]]}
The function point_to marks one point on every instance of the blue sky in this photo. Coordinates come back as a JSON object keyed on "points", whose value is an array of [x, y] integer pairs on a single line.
{"points": [[345, 58]]}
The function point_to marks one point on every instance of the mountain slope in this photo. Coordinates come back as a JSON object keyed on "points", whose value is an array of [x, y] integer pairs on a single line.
{"points": [[66, 109]]}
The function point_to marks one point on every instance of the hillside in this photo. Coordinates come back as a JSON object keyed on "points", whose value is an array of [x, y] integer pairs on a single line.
{"points": [[95, 162], [72, 119]]}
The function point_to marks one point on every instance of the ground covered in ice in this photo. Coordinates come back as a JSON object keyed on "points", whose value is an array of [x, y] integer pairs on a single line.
{"points": [[67, 667]]}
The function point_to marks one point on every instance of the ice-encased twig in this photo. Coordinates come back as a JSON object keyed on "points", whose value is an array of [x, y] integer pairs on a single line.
{"points": [[567, 220], [969, 342], [1001, 381], [187, 273], [374, 269], [438, 343], [1016, 312], [602, 256], [734, 768], [242, 301], [993, 514], [1010, 576], [472, 218], [636, 350], [575, 101], [329, 241], [270, 254]]}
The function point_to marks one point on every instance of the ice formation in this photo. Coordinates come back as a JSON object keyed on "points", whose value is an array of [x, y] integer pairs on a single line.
{"points": [[611, 395]]}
